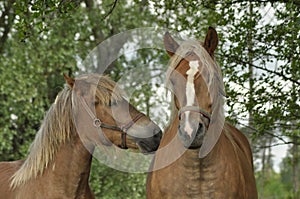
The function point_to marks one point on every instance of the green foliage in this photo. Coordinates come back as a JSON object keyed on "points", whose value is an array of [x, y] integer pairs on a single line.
{"points": [[289, 166], [272, 187], [110, 183], [258, 52]]}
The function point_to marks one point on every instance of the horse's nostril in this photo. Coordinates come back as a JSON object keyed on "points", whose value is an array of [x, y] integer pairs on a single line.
{"points": [[158, 134], [200, 129], [200, 126]]}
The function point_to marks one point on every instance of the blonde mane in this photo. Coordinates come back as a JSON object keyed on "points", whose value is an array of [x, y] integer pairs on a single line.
{"points": [[58, 124], [211, 74]]}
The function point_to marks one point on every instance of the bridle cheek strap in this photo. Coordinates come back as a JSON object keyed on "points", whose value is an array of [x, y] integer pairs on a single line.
{"points": [[132, 122], [98, 124], [125, 128]]}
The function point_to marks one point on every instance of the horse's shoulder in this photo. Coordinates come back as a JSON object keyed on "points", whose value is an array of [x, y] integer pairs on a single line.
{"points": [[237, 135], [240, 141]]}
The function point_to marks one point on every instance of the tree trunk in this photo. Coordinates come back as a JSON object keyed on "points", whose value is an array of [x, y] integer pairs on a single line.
{"points": [[295, 169], [250, 67]]}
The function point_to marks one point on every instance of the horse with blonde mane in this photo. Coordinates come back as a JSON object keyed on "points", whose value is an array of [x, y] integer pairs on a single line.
{"points": [[59, 160], [200, 155]]}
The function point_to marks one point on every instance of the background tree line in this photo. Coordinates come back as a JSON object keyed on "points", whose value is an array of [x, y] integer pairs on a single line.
{"points": [[259, 53]]}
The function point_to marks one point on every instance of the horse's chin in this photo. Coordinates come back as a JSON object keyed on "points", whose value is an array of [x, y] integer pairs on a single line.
{"points": [[194, 147], [145, 148], [149, 145]]}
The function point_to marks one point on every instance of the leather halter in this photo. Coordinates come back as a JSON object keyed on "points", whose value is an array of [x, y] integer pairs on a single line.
{"points": [[196, 109], [98, 124]]}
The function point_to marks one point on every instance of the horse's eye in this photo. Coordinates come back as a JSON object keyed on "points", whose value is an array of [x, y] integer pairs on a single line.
{"points": [[96, 103]]}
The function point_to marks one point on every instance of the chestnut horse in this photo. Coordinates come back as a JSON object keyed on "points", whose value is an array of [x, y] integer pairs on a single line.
{"points": [[59, 160], [200, 155]]}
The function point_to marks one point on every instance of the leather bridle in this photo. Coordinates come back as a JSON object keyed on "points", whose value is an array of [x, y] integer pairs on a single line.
{"points": [[196, 109], [98, 124]]}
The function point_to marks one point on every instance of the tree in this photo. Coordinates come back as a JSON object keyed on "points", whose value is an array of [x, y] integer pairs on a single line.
{"points": [[256, 56], [259, 57], [288, 177]]}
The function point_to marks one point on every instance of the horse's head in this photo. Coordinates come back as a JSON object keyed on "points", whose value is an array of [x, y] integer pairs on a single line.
{"points": [[104, 116], [190, 76]]}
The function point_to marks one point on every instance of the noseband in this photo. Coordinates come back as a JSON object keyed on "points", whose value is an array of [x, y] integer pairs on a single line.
{"points": [[98, 124], [196, 109]]}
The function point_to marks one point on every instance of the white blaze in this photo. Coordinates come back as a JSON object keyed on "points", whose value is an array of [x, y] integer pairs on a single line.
{"points": [[190, 93]]}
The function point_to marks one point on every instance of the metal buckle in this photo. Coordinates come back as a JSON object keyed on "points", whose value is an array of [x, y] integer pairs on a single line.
{"points": [[97, 123]]}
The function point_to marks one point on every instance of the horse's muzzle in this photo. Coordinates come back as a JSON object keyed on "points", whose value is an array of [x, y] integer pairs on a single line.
{"points": [[192, 135], [150, 144]]}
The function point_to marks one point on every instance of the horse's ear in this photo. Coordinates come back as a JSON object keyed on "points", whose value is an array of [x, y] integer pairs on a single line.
{"points": [[170, 44], [70, 81], [211, 41]]}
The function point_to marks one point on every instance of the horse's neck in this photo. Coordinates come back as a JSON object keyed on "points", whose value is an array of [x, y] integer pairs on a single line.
{"points": [[171, 149], [68, 173], [202, 175], [226, 172], [72, 166]]}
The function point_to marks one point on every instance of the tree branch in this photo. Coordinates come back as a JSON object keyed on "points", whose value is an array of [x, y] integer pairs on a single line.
{"points": [[297, 3], [211, 3], [273, 145], [280, 74], [111, 10], [268, 133]]}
